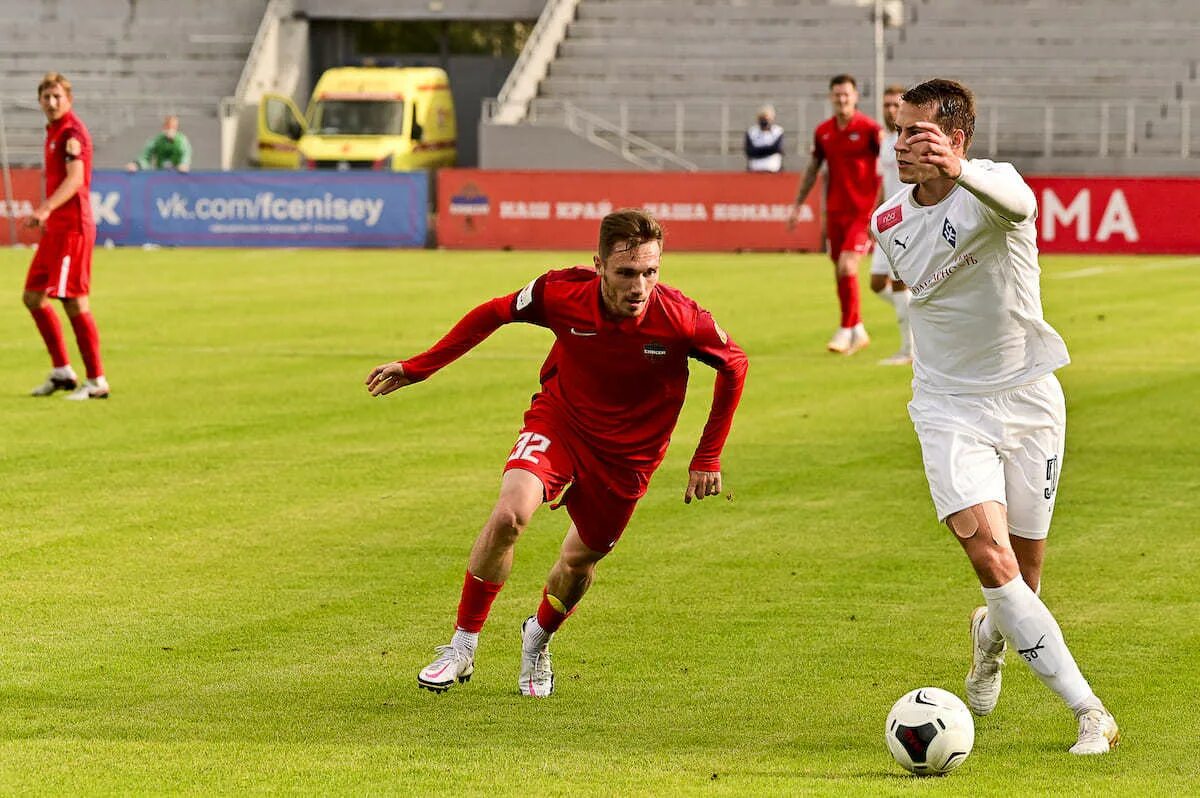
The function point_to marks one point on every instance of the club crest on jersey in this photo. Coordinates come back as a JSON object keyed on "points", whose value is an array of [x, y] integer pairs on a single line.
{"points": [[654, 351], [889, 218], [949, 233]]}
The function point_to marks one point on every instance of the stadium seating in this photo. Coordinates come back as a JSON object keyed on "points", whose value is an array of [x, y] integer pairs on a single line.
{"points": [[130, 62], [1055, 78]]}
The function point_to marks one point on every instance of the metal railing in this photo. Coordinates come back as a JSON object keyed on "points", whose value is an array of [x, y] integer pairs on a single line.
{"points": [[613, 137], [708, 129], [520, 87]]}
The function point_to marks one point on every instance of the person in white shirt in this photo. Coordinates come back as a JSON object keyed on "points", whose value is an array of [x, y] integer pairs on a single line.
{"points": [[893, 292], [764, 143], [987, 408]]}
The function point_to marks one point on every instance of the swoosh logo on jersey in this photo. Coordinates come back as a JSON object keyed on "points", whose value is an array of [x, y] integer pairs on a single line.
{"points": [[582, 333]]}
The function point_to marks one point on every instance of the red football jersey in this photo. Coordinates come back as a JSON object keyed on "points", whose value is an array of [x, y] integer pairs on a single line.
{"points": [[620, 382], [852, 154], [67, 140]]}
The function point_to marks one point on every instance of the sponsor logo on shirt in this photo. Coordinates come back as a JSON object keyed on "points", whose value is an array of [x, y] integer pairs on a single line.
{"points": [[889, 218], [922, 288], [902, 242], [583, 333], [949, 233], [654, 351]]}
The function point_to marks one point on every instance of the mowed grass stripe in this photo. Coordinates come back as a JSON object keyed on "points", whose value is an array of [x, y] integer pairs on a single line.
{"points": [[225, 577]]}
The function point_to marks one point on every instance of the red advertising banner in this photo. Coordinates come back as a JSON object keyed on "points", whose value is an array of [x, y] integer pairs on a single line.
{"points": [[705, 212], [27, 193], [1134, 215]]}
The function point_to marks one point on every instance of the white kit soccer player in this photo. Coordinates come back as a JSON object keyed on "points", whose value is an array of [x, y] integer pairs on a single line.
{"points": [[987, 408]]}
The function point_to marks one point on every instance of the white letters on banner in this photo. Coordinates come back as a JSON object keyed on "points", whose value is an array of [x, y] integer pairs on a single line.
{"points": [[1117, 218]]}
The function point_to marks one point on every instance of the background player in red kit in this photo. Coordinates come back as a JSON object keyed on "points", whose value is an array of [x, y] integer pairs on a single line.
{"points": [[62, 266], [849, 141], [612, 388]]}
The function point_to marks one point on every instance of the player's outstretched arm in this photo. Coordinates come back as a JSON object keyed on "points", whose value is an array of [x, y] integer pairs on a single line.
{"points": [[701, 484], [387, 378], [464, 336]]}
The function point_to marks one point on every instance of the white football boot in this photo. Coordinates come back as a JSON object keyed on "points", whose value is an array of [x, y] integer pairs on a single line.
{"points": [[60, 379], [858, 339], [91, 389], [452, 665], [840, 342], [1098, 732], [537, 675], [987, 660]]}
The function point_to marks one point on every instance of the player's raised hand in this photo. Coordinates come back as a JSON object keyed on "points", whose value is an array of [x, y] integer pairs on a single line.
{"points": [[939, 149], [387, 378], [701, 484]]}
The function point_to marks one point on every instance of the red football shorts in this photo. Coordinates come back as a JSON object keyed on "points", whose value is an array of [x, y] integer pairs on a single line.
{"points": [[601, 496], [848, 233], [62, 265]]}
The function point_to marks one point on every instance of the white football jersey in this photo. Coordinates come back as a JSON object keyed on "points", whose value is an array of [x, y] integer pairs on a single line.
{"points": [[976, 308], [887, 163]]}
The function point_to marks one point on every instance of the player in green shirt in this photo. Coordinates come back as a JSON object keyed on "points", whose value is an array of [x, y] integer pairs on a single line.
{"points": [[170, 149]]}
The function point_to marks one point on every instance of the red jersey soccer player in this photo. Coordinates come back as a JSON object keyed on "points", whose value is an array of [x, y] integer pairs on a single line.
{"points": [[612, 388], [849, 141], [62, 266]]}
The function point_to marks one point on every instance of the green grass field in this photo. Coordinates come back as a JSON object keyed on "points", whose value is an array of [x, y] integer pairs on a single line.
{"points": [[225, 578]]}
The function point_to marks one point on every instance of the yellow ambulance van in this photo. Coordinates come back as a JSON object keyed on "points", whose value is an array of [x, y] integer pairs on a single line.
{"points": [[383, 118]]}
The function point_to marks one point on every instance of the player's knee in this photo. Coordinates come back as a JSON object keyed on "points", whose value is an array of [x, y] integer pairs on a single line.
{"points": [[995, 565], [32, 301], [509, 521]]}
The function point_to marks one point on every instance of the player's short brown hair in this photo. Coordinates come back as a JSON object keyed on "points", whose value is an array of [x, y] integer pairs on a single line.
{"points": [[51, 79], [630, 226], [953, 104], [842, 78], [893, 88]]}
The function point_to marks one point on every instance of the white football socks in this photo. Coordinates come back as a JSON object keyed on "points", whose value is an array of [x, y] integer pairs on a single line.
{"points": [[1029, 627], [988, 627], [535, 636], [465, 641]]}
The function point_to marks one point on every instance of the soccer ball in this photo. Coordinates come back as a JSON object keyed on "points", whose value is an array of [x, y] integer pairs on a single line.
{"points": [[929, 732]]}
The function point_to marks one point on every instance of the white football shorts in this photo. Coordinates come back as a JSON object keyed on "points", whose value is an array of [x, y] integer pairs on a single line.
{"points": [[1005, 447]]}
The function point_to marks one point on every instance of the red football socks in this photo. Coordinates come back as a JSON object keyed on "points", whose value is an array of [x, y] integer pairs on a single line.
{"points": [[476, 602], [847, 288], [89, 343], [50, 327], [549, 616]]}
